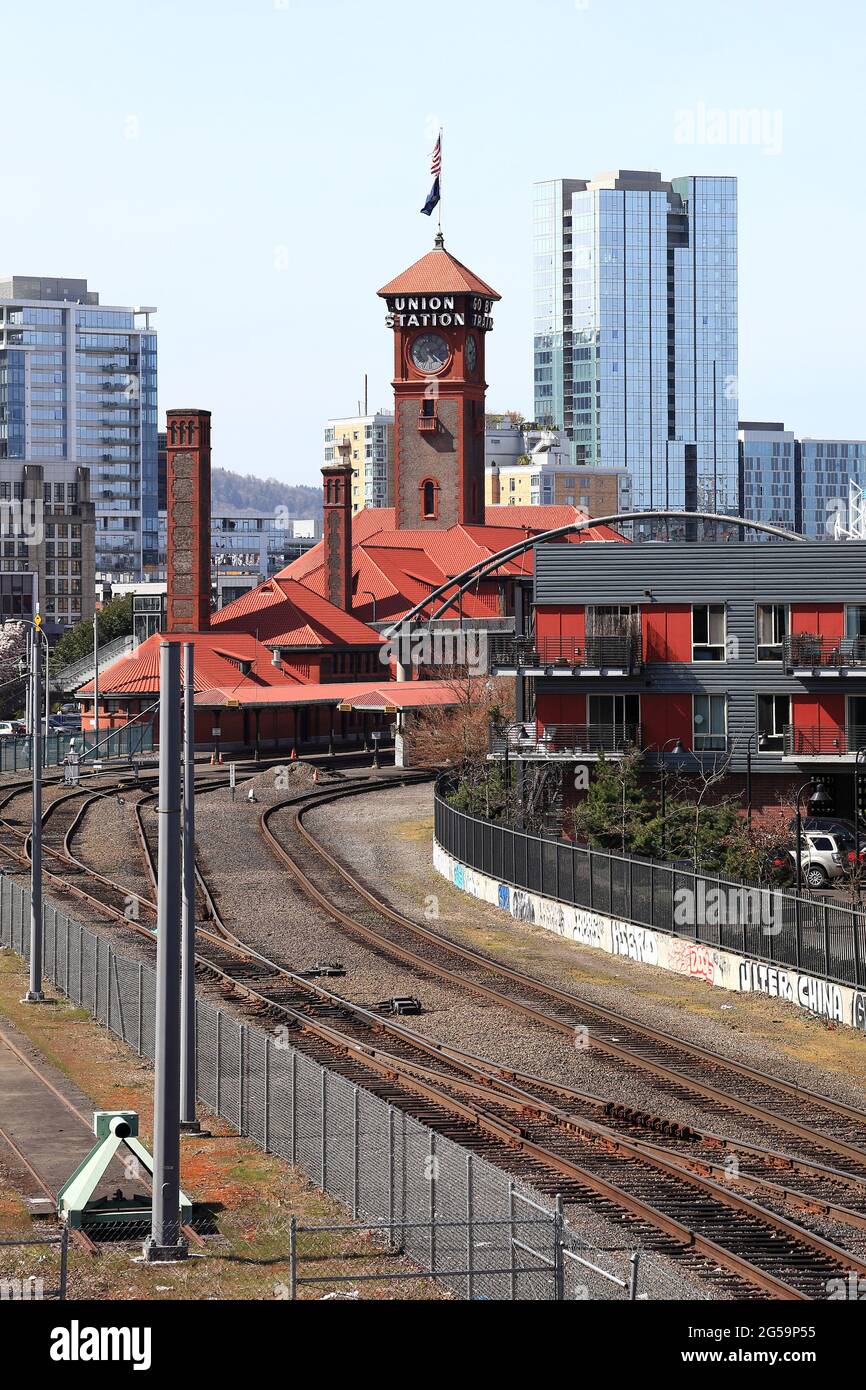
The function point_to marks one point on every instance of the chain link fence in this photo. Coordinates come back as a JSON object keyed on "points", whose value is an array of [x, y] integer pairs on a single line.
{"points": [[767, 924], [16, 752], [49, 1255], [458, 1218]]}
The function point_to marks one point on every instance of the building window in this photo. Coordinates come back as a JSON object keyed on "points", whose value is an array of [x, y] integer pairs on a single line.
{"points": [[708, 632], [710, 722], [772, 629], [855, 620], [774, 712], [429, 499]]}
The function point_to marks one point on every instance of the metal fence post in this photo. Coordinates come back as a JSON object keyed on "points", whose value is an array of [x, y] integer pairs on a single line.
{"points": [[433, 1166], [140, 1003], [355, 1141], [241, 1031], [513, 1276], [324, 1131], [293, 1258], [558, 1257], [267, 1080], [294, 1148], [470, 1230], [218, 1061], [64, 1262], [633, 1263], [391, 1175]]}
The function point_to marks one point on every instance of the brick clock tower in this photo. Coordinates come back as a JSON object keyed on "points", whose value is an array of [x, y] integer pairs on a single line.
{"points": [[440, 313]]}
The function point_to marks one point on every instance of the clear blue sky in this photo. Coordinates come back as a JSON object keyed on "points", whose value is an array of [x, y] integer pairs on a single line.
{"points": [[177, 153]]}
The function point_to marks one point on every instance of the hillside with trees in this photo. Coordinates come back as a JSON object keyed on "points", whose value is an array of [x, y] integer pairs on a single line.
{"points": [[244, 492]]}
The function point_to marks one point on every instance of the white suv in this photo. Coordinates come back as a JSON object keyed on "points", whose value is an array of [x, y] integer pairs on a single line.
{"points": [[823, 857]]}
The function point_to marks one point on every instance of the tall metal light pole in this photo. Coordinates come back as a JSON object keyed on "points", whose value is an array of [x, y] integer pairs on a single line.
{"points": [[165, 1242], [188, 1121], [34, 993], [95, 679], [861, 753]]}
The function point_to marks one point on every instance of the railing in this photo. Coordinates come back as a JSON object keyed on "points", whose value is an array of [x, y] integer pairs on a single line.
{"points": [[531, 740], [817, 936], [619, 651], [126, 742], [820, 743], [807, 649]]}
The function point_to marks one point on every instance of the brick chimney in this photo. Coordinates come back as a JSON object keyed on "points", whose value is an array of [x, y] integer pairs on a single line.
{"points": [[188, 509], [338, 527]]}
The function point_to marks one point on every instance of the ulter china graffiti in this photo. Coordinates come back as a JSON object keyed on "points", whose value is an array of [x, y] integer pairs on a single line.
{"points": [[818, 996]]}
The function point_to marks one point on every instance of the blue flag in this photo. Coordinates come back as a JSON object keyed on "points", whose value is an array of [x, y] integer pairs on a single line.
{"points": [[432, 198]]}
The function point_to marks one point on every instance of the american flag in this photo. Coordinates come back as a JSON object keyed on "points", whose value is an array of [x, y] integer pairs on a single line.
{"points": [[436, 157]]}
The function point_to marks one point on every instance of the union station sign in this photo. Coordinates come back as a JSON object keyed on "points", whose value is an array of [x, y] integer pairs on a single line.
{"points": [[438, 311]]}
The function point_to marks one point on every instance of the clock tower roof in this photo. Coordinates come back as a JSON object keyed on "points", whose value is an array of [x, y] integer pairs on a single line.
{"points": [[438, 273]]}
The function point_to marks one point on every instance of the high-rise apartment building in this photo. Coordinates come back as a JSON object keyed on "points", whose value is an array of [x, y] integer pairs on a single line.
{"points": [[800, 484], [372, 443], [635, 332], [78, 387]]}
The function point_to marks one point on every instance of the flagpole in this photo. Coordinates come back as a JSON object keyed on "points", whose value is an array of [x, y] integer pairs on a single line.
{"points": [[439, 209]]}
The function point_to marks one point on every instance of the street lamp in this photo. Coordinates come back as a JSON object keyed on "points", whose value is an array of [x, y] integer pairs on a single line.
{"points": [[676, 747], [819, 801], [861, 753]]}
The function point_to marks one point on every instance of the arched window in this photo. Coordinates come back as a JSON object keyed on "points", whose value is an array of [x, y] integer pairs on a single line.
{"points": [[429, 499]]}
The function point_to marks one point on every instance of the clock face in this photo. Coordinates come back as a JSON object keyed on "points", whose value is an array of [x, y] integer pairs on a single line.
{"points": [[471, 353], [430, 352]]}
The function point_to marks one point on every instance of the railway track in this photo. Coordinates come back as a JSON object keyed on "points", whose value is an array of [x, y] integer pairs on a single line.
{"points": [[558, 1140], [826, 1130]]}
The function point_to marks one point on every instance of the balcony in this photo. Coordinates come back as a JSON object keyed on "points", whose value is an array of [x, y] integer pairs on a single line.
{"points": [[808, 654], [563, 742], [427, 423], [611, 655], [801, 745]]}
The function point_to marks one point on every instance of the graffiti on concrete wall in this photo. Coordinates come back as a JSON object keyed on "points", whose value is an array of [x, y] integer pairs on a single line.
{"points": [[818, 996], [635, 942]]}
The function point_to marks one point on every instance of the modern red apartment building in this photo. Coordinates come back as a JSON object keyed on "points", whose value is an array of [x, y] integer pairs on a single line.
{"points": [[745, 652]]}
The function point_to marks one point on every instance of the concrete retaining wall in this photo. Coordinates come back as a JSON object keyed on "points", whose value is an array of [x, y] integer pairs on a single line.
{"points": [[725, 969]]}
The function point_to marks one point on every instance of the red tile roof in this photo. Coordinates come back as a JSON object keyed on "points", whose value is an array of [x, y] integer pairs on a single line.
{"points": [[285, 613], [438, 273], [399, 568], [219, 661]]}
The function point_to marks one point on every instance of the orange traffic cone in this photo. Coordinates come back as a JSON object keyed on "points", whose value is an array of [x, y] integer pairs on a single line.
{"points": [[213, 758], [293, 756], [315, 774]]}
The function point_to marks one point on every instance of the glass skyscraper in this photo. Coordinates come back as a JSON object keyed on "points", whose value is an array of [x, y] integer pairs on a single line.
{"points": [[78, 383], [635, 334]]}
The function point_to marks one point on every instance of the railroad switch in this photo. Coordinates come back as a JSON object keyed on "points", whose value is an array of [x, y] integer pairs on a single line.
{"points": [[400, 1004], [326, 967]]}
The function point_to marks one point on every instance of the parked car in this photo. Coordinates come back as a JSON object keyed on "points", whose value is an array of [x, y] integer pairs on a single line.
{"points": [[824, 857], [7, 728]]}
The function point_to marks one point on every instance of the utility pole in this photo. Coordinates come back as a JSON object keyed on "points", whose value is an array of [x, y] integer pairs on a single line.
{"points": [[34, 993], [95, 679], [165, 1242], [188, 1121]]}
